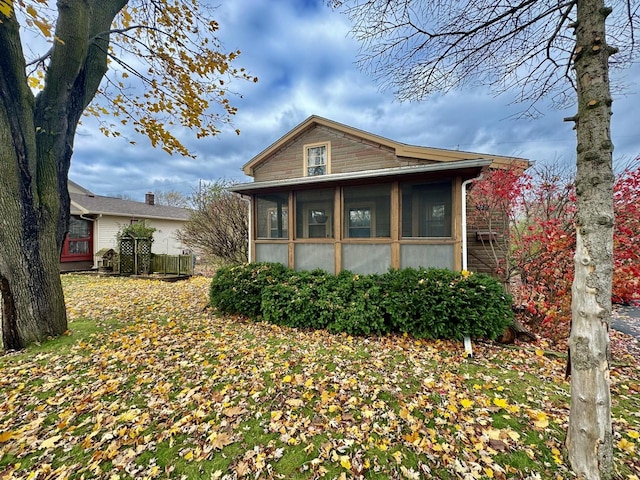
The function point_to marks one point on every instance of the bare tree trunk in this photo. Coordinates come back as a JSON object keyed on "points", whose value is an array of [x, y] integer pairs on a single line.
{"points": [[589, 438]]}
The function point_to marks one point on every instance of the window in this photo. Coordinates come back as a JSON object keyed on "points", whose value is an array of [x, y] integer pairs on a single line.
{"points": [[426, 210], [314, 214], [359, 222], [317, 217], [367, 211], [78, 244], [316, 159], [278, 223], [273, 215]]}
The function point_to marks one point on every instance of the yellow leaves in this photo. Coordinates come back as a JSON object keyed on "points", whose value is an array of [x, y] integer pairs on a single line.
{"points": [[626, 446], [633, 434], [50, 442], [466, 403], [294, 402], [345, 462], [6, 8], [167, 379], [513, 435], [500, 402], [126, 17], [540, 419], [129, 415], [557, 456]]}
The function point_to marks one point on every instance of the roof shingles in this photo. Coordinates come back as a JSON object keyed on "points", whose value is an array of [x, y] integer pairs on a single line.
{"points": [[87, 204]]}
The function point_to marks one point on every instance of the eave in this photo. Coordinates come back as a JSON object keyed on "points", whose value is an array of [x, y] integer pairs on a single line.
{"points": [[465, 168]]}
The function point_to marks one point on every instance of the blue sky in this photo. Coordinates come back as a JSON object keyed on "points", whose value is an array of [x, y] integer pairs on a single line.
{"points": [[304, 57]]}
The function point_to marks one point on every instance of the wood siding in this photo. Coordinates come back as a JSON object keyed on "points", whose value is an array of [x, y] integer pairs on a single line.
{"points": [[348, 154], [487, 239]]}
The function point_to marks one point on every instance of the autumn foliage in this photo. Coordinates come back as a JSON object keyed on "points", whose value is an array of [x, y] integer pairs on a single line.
{"points": [[150, 384], [540, 209]]}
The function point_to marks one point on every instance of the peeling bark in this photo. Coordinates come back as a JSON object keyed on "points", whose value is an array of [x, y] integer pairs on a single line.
{"points": [[590, 436]]}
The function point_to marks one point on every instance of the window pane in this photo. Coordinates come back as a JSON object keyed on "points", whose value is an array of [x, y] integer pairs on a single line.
{"points": [[273, 215], [76, 247], [367, 211], [314, 214], [79, 228], [359, 222], [316, 160], [426, 210]]}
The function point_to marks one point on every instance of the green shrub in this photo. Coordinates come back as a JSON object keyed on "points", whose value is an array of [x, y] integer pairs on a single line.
{"points": [[440, 303], [300, 300], [238, 289], [358, 306], [426, 303]]}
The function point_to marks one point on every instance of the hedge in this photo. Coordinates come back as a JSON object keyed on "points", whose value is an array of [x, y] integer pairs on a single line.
{"points": [[425, 303]]}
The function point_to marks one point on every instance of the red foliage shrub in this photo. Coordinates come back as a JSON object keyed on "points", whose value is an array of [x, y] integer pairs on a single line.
{"points": [[541, 211]]}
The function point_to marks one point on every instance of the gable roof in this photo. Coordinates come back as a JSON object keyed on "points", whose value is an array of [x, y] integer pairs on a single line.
{"points": [[90, 204], [401, 149], [74, 187]]}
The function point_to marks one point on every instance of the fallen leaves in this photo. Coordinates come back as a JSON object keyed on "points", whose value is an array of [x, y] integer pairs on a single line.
{"points": [[168, 390]]}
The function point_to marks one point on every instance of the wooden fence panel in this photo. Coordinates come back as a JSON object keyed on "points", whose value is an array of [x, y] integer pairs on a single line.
{"points": [[172, 264]]}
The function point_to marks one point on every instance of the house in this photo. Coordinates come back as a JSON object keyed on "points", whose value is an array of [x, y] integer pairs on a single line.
{"points": [[96, 220], [330, 196]]}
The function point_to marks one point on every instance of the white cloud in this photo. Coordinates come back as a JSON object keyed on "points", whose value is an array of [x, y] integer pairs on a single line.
{"points": [[305, 61]]}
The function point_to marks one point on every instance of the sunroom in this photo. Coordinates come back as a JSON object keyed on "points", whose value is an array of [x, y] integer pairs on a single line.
{"points": [[332, 197]]}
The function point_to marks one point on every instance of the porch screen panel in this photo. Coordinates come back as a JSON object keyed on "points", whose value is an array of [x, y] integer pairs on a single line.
{"points": [[426, 209], [309, 256], [314, 214], [273, 215], [273, 252], [437, 256], [367, 211], [364, 259]]}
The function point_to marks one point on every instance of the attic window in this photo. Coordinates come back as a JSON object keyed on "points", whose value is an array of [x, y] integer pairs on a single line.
{"points": [[317, 159]]}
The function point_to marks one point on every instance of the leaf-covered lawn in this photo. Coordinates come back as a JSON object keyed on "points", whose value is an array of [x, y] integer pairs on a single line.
{"points": [[152, 384]]}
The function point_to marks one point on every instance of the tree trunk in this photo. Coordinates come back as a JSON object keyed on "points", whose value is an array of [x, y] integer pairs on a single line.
{"points": [[589, 437], [36, 144], [32, 301]]}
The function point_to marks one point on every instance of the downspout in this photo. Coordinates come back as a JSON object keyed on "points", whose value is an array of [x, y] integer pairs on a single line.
{"points": [[468, 350]]}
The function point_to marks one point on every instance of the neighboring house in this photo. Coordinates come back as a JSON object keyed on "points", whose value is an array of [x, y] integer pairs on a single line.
{"points": [[96, 221], [360, 202]]}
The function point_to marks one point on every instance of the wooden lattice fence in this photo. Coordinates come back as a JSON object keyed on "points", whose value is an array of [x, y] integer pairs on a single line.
{"points": [[135, 255]]}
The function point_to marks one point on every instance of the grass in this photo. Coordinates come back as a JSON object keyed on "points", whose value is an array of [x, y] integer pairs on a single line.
{"points": [[151, 384]]}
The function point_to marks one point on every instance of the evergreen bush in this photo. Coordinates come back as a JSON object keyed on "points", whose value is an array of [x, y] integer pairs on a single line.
{"points": [[425, 303], [238, 289]]}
